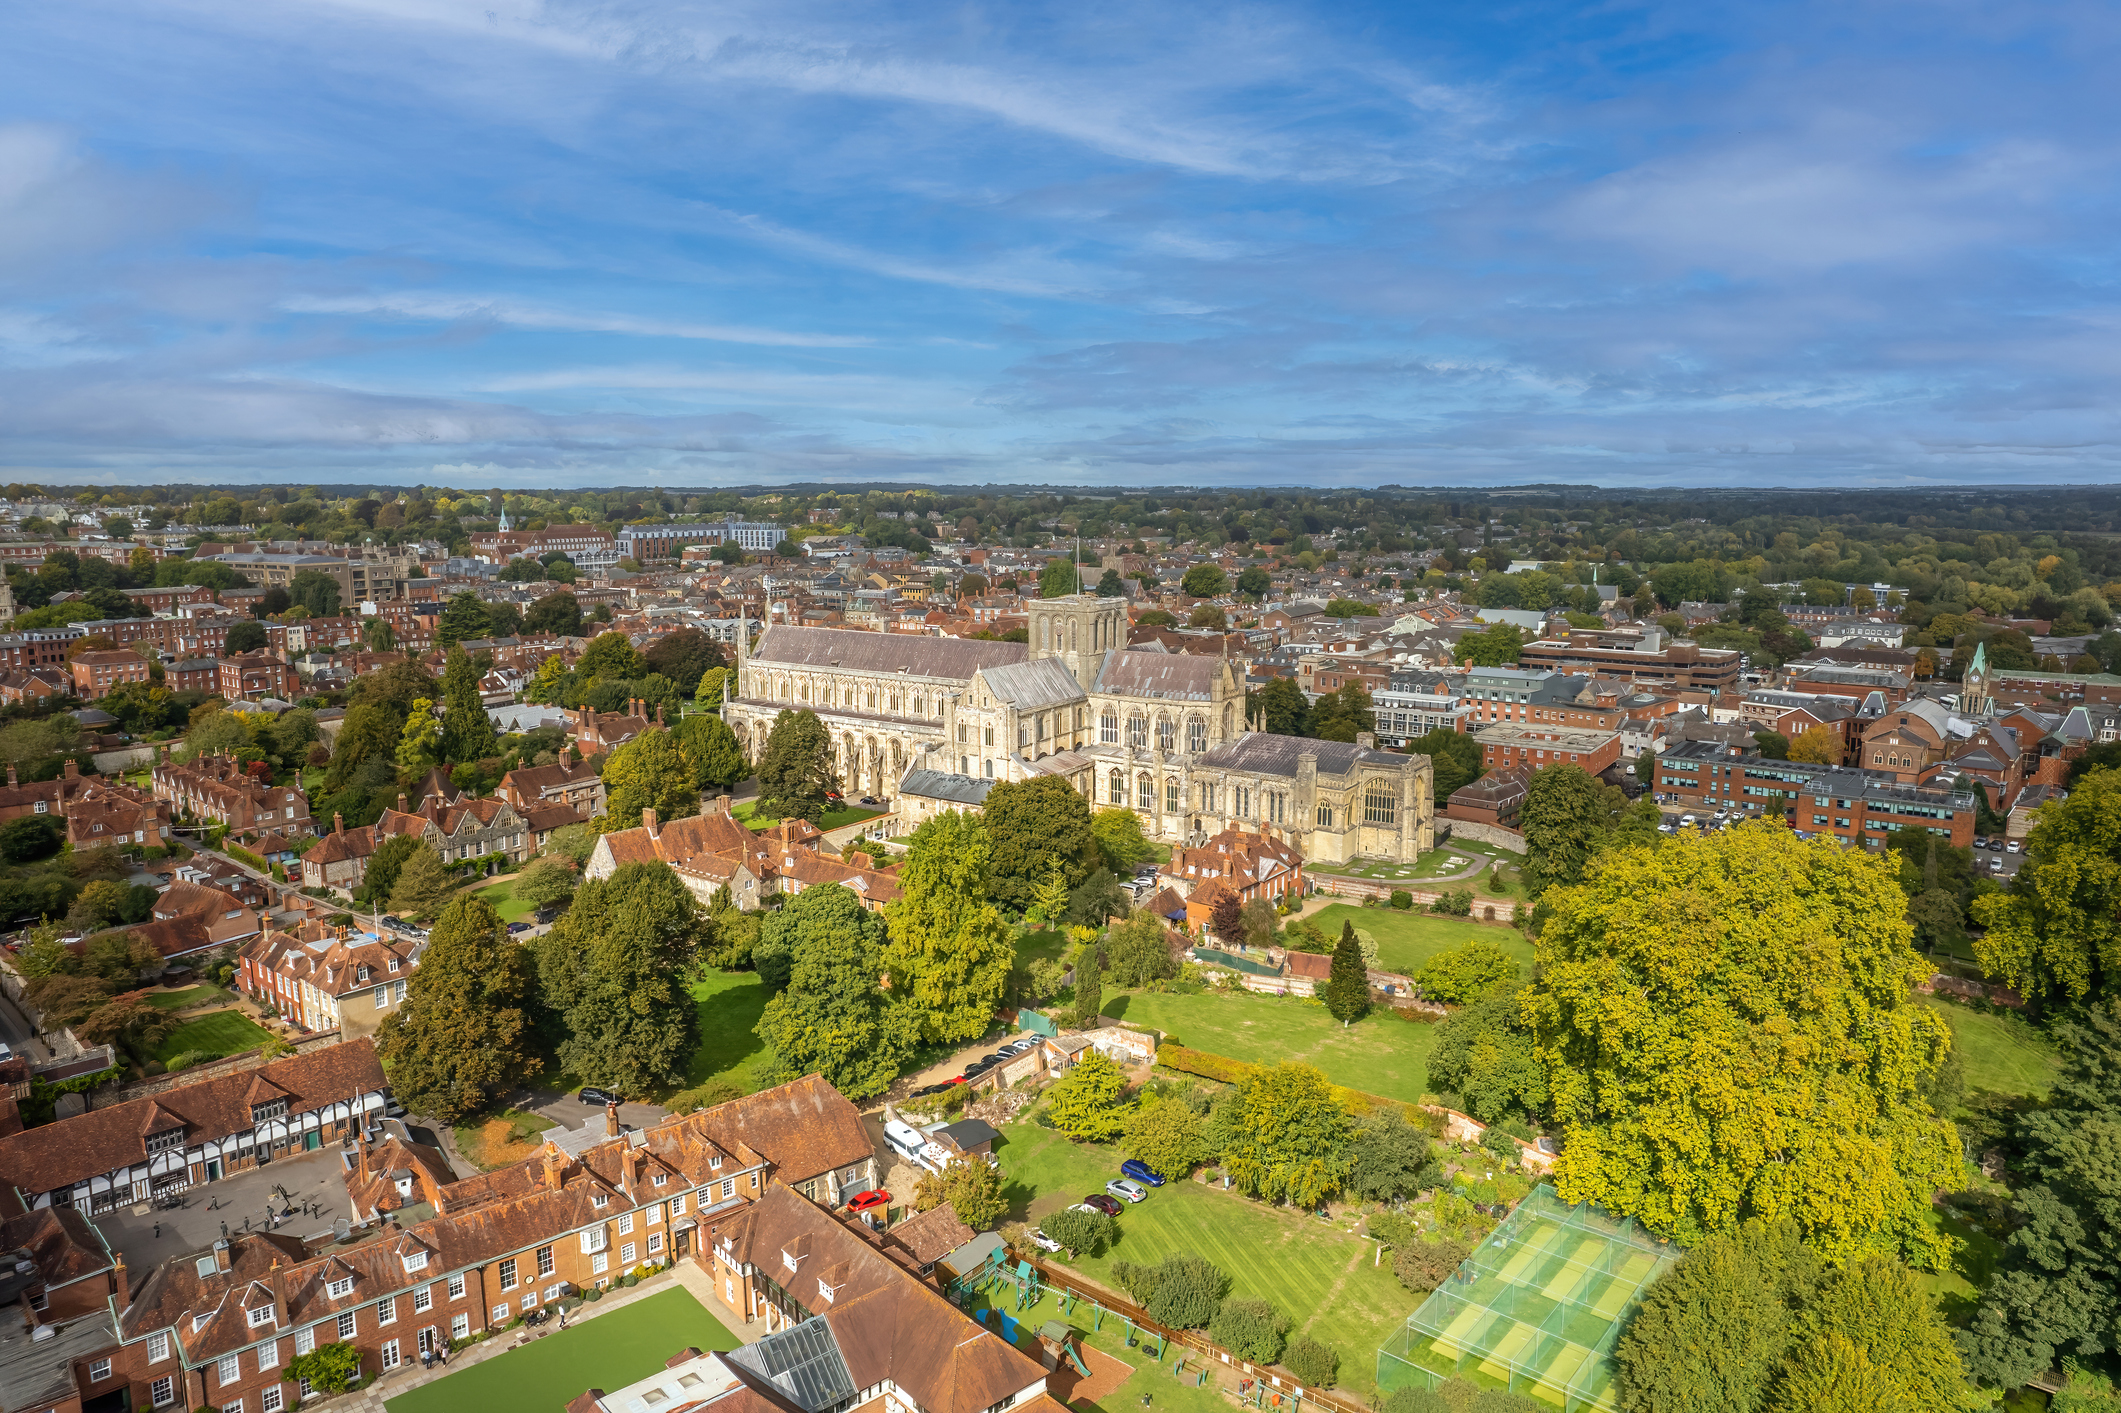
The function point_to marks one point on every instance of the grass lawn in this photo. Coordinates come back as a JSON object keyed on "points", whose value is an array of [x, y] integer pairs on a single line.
{"points": [[607, 1352], [1317, 1273], [1407, 941], [747, 814], [221, 1032], [501, 1139], [502, 897], [731, 1003], [190, 996], [2001, 1052], [1380, 1054]]}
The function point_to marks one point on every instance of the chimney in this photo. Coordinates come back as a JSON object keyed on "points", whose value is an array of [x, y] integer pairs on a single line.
{"points": [[73, 770], [721, 804], [659, 713], [338, 822], [649, 823], [221, 1254], [121, 1283], [611, 1120], [555, 1169], [401, 802]]}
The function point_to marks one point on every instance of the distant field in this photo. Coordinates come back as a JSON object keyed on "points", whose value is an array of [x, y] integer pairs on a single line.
{"points": [[1380, 1054], [1407, 941]]}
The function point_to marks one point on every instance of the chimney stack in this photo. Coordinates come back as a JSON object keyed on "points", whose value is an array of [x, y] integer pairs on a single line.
{"points": [[555, 1169], [121, 1283], [73, 769], [721, 804], [649, 823], [401, 802], [338, 822], [11, 774], [611, 1120], [221, 1254]]}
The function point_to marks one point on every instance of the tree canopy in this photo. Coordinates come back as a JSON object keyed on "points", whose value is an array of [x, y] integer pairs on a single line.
{"points": [[467, 732], [2057, 932], [463, 1037], [833, 1018], [649, 772], [950, 951], [616, 969], [1291, 1138], [796, 770], [1034, 825], [1728, 1029]]}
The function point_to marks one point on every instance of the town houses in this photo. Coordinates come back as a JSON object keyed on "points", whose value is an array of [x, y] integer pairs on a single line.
{"points": [[221, 789], [325, 978]]}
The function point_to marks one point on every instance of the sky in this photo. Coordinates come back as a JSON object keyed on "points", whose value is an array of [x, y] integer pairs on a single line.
{"points": [[572, 244]]}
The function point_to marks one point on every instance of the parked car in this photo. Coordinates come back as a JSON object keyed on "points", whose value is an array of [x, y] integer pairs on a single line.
{"points": [[868, 1201], [1098, 1202], [867, 800], [1665, 828], [2011, 847], [1132, 1191], [1687, 821], [599, 1097], [1042, 1241], [1018, 1047], [927, 1089], [1138, 1170], [518, 927]]}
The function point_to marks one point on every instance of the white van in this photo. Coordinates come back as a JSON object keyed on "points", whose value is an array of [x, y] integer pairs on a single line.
{"points": [[906, 1140]]}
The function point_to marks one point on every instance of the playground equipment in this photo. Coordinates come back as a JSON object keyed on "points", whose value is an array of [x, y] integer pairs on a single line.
{"points": [[1053, 1336]]}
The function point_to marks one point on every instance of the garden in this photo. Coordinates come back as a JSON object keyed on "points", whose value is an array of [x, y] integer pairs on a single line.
{"points": [[1380, 1054], [212, 1036], [1409, 941]]}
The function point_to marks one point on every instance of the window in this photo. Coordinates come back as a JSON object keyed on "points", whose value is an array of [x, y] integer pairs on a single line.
{"points": [[626, 1254], [162, 1391], [677, 1205], [229, 1370], [599, 1200], [460, 1326], [99, 1370], [1116, 790], [544, 1260], [387, 1311], [655, 1212], [655, 1242], [728, 1188], [234, 1405], [1108, 729], [626, 1224], [268, 1355], [1324, 817], [1380, 809], [261, 1316], [1196, 735], [305, 1339], [661, 1178], [1144, 794], [269, 1400], [340, 1288], [500, 1314], [400, 991], [348, 1323], [1171, 805], [456, 1287], [423, 1298], [508, 1274], [599, 1264], [1166, 734], [1138, 732], [167, 1141], [415, 1261], [390, 1355]]}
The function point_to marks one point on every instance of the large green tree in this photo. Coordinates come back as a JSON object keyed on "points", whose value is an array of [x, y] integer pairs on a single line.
{"points": [[950, 951], [717, 756], [1728, 1028], [616, 972], [1710, 1334], [1485, 1056], [1567, 817], [683, 655], [1280, 708], [2058, 1292], [1033, 826], [611, 657], [1348, 987], [1455, 755], [1089, 1102], [464, 616], [1291, 1141], [795, 769], [467, 732], [649, 772], [1120, 841], [463, 1037], [2057, 932], [1340, 715], [422, 886], [1057, 580], [558, 613], [834, 1018], [1205, 581]]}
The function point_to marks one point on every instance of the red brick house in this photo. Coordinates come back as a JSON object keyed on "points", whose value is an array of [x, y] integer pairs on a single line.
{"points": [[98, 674], [250, 676]]}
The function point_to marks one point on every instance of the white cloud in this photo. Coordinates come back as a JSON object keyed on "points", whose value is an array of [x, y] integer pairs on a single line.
{"points": [[503, 310]]}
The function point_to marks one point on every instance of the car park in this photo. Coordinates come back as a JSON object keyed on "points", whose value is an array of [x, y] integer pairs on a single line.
{"points": [[1099, 1202], [591, 1095], [1687, 821], [2011, 847], [1138, 1170], [869, 1201], [1121, 1187], [1018, 1047]]}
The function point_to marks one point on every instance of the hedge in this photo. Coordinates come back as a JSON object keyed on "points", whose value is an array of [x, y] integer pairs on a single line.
{"points": [[1228, 1071]]}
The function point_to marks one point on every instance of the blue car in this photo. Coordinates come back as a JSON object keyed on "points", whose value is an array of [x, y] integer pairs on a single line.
{"points": [[1138, 1170]]}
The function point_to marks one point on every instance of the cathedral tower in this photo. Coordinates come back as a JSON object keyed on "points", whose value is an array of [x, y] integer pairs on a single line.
{"points": [[1079, 629]]}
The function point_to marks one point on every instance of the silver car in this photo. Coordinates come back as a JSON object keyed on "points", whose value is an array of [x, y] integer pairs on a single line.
{"points": [[1126, 1188]]}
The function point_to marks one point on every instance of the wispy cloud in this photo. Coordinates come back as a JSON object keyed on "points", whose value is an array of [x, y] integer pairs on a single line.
{"points": [[435, 308]]}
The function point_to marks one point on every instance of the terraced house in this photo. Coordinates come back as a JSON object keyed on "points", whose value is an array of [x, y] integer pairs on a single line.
{"points": [[330, 978], [216, 788]]}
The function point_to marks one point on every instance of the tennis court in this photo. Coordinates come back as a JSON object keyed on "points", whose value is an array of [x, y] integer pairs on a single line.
{"points": [[1535, 1309]]}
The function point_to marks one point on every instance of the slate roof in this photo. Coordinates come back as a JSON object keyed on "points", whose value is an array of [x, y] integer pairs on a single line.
{"points": [[941, 785], [1182, 677], [854, 651], [1034, 686], [1264, 753]]}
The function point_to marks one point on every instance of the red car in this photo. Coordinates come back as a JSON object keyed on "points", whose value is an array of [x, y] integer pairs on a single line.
{"points": [[869, 1201]]}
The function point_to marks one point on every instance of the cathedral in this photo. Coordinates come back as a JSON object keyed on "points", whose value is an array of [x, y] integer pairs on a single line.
{"points": [[1160, 733]]}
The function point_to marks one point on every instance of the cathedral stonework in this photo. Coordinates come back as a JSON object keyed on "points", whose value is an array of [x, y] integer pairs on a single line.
{"points": [[1160, 733]]}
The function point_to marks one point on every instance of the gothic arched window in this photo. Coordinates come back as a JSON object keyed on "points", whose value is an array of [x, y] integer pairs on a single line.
{"points": [[1196, 735]]}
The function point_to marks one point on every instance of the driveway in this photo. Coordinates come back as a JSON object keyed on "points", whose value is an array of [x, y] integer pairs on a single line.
{"points": [[234, 1205], [568, 1111]]}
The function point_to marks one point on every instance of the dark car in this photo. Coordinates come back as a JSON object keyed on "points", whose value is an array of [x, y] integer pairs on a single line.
{"points": [[519, 927], [926, 1090], [1141, 1172], [871, 800], [1108, 1205], [600, 1097]]}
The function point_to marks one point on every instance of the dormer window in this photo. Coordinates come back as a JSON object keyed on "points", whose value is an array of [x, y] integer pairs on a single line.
{"points": [[261, 1316], [599, 1200], [170, 1140], [661, 1178], [270, 1109], [415, 1261], [824, 1291], [340, 1288]]}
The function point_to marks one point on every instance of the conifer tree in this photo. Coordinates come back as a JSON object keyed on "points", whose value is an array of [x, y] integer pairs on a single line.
{"points": [[467, 732], [1348, 988]]}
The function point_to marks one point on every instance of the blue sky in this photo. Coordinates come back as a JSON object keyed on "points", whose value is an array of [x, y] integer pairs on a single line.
{"points": [[688, 244]]}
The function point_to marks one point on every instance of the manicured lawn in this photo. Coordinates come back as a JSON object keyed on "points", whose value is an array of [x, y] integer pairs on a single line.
{"points": [[1315, 1272], [1407, 941], [189, 996], [1380, 1054], [747, 813], [607, 1352], [731, 1003], [502, 897], [218, 1032], [2000, 1052]]}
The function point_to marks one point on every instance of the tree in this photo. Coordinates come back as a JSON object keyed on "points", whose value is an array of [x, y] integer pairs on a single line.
{"points": [[467, 732], [950, 950], [1485, 1056], [1167, 1135], [1208, 615], [463, 1037], [1315, 1364], [1250, 1329], [1816, 746], [683, 655], [1189, 1290], [420, 747], [558, 613], [1455, 756], [1226, 916], [1712, 1329], [1466, 973], [1088, 1102], [1872, 1339], [1728, 1029], [371, 729], [1772, 745], [1089, 988], [1086, 1233], [1291, 1139], [380, 879], [648, 772], [46, 956], [1348, 987], [1049, 900], [616, 971], [2056, 934], [316, 591], [1565, 818], [548, 880], [833, 1018], [972, 1187], [2057, 1292], [379, 635], [464, 616], [1057, 580], [423, 884], [1341, 715], [1497, 646], [245, 637], [1136, 952], [795, 770], [1110, 585], [1205, 581], [1097, 900], [716, 756], [1253, 583], [1393, 1158], [329, 1368], [1120, 842], [129, 1020], [1034, 825]]}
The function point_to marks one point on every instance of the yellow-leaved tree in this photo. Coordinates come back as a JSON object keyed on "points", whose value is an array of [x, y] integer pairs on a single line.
{"points": [[1728, 1030]]}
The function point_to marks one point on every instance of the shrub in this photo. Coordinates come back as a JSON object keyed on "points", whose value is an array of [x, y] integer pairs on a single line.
{"points": [[1498, 1141], [1454, 902], [1424, 1265], [1314, 1364], [329, 1368], [1466, 973], [1402, 899], [1251, 1329], [1085, 1233], [1189, 1290], [187, 1059]]}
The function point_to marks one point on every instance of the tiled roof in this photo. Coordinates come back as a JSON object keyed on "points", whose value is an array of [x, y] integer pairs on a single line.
{"points": [[940, 785], [932, 1234], [805, 1128], [1267, 754], [854, 651], [60, 1240], [1182, 677]]}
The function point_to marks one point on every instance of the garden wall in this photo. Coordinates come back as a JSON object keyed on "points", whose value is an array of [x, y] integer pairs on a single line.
{"points": [[1488, 834], [1484, 909], [114, 1094]]}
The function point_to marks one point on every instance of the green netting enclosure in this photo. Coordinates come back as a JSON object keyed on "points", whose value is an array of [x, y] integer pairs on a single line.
{"points": [[1534, 1309]]}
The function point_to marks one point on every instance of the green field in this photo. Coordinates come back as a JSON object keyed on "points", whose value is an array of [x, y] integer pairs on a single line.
{"points": [[190, 996], [607, 1352], [1317, 1273], [1406, 941], [747, 814], [2001, 1052], [217, 1032], [1380, 1054], [502, 898], [731, 1003]]}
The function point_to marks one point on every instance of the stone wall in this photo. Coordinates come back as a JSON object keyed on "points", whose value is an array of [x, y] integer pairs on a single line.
{"points": [[1486, 834]]}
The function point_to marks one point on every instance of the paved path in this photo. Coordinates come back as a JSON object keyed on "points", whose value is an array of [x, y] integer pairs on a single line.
{"points": [[237, 1202]]}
